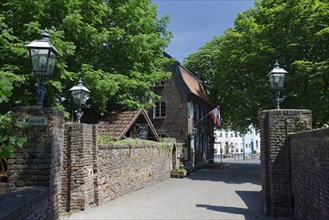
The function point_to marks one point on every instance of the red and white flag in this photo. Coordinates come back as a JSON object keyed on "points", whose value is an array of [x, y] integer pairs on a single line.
{"points": [[215, 115]]}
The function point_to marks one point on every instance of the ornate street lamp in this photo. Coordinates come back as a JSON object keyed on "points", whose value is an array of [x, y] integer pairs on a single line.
{"points": [[276, 77], [80, 96], [43, 59]]}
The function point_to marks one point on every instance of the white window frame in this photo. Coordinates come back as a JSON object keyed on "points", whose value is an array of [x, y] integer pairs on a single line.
{"points": [[161, 105]]}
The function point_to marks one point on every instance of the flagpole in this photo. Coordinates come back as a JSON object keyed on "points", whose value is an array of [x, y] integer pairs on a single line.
{"points": [[203, 117]]}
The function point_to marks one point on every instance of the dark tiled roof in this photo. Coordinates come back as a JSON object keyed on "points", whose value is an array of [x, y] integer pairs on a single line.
{"points": [[118, 123], [194, 85]]}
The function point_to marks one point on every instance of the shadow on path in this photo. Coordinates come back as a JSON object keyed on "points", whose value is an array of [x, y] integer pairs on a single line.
{"points": [[251, 212], [230, 173]]}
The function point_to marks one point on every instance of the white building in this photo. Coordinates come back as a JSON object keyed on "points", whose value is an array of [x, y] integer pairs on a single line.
{"points": [[252, 140], [228, 142]]}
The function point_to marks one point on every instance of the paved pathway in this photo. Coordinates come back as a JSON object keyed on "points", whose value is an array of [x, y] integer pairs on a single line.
{"points": [[229, 192]]}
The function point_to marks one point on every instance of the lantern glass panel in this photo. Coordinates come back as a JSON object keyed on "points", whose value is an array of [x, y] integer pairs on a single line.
{"points": [[39, 60], [43, 61], [84, 97], [277, 80], [76, 97], [51, 64], [80, 97]]}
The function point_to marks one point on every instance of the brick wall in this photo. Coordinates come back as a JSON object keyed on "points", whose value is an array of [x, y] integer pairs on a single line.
{"points": [[275, 126], [94, 174], [35, 203], [295, 165], [78, 172], [38, 163], [126, 168], [310, 174]]}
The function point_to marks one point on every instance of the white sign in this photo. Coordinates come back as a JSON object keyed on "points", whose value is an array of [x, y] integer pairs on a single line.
{"points": [[31, 120]]}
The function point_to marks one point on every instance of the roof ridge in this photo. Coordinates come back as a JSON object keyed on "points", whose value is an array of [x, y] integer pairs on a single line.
{"points": [[193, 85], [196, 78]]}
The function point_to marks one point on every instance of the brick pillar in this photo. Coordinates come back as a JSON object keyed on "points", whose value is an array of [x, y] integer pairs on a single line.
{"points": [[95, 164], [78, 177], [38, 163], [275, 125]]}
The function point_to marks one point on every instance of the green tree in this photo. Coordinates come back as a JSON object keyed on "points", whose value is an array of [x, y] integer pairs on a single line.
{"points": [[116, 47], [5, 89], [290, 31], [7, 142]]}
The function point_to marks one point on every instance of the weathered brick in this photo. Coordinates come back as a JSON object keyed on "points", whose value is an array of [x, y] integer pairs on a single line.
{"points": [[275, 126], [98, 173], [310, 174]]}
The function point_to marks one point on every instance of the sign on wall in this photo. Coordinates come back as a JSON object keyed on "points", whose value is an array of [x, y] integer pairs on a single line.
{"points": [[143, 131], [31, 120]]}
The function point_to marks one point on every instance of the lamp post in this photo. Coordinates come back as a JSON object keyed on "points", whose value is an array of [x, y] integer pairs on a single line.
{"points": [[276, 77], [80, 96], [243, 148], [43, 59]]}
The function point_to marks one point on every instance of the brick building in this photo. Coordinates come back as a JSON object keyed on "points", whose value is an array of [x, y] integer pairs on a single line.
{"points": [[182, 114]]}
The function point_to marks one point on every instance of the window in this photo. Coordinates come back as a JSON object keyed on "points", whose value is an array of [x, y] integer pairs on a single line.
{"points": [[195, 112], [200, 109], [159, 111], [190, 109]]}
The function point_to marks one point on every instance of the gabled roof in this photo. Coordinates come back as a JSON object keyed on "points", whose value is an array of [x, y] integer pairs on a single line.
{"points": [[119, 122], [191, 84]]}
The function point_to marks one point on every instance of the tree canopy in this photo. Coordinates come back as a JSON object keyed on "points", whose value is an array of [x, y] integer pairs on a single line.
{"points": [[7, 142], [235, 65], [116, 47]]}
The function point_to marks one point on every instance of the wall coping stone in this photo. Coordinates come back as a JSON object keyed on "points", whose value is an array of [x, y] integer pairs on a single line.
{"points": [[314, 133], [31, 109], [123, 146], [285, 111]]}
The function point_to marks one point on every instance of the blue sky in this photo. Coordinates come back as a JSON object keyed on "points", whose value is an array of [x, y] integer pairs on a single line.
{"points": [[196, 22]]}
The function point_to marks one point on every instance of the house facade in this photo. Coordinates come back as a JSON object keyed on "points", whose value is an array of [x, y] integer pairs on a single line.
{"points": [[233, 142], [182, 113]]}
